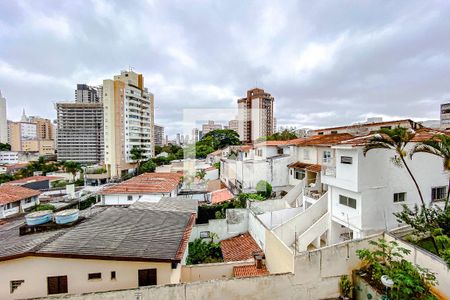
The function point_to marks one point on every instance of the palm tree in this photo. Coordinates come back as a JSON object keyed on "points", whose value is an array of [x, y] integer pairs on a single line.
{"points": [[200, 174], [137, 155], [72, 167], [438, 145], [397, 139]]}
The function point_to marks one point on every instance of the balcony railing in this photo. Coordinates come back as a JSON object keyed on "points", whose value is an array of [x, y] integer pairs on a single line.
{"points": [[329, 171]]}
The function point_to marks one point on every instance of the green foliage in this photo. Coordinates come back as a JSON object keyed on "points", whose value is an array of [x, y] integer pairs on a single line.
{"points": [[410, 282], [216, 165], [79, 182], [148, 167], [72, 167], [220, 138], [201, 252], [59, 184], [5, 147], [87, 203], [200, 174], [137, 154], [284, 135], [443, 242], [46, 206], [158, 149], [345, 286], [264, 188], [5, 178]]}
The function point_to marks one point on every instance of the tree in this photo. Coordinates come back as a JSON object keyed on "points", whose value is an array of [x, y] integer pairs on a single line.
{"points": [[397, 139], [200, 174], [220, 138], [148, 167], [72, 167], [264, 188], [137, 154], [5, 147], [438, 145], [284, 135]]}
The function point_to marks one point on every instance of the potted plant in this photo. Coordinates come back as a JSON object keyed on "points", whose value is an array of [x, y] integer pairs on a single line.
{"points": [[346, 287]]}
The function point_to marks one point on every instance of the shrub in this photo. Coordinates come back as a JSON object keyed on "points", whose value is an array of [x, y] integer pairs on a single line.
{"points": [[410, 282], [345, 286], [46, 206], [201, 252], [264, 189], [148, 167]]}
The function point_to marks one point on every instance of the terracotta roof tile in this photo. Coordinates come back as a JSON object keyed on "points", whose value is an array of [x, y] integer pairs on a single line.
{"points": [[272, 143], [12, 193], [309, 167], [249, 271], [365, 124], [220, 196], [321, 140], [146, 183], [185, 239], [241, 247], [34, 179]]}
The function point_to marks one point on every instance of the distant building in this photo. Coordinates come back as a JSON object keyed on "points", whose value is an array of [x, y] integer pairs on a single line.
{"points": [[445, 116], [3, 120], [159, 135], [367, 127], [210, 126], [80, 132], [128, 121], [196, 135], [9, 157], [255, 115], [31, 135], [88, 94], [233, 125]]}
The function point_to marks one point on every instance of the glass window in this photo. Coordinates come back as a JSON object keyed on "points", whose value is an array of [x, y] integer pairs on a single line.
{"points": [[326, 156], [130, 198], [94, 276], [400, 197], [438, 193], [347, 201], [305, 153], [300, 174], [346, 160]]}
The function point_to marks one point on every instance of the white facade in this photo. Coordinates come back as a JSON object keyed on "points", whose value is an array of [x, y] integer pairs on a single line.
{"points": [[128, 199], [9, 157], [3, 120], [372, 188], [14, 208]]}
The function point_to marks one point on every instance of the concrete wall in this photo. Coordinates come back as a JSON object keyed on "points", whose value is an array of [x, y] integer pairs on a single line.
{"points": [[203, 272], [35, 270], [257, 230], [273, 219], [279, 258]]}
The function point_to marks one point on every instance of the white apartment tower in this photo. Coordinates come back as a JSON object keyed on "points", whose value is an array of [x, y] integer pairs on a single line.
{"points": [[255, 115], [3, 120], [128, 121]]}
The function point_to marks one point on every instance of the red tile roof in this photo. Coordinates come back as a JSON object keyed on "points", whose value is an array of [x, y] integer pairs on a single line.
{"points": [[185, 239], [245, 148], [241, 247], [366, 124], [13, 193], [249, 271], [272, 143], [309, 167], [17, 166], [321, 140], [220, 196], [35, 179], [147, 183]]}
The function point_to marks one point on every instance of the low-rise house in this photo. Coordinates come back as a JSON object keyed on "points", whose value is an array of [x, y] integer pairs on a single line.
{"points": [[113, 248], [16, 199], [150, 187], [36, 182]]}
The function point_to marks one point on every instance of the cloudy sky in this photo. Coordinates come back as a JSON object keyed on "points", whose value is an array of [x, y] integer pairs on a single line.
{"points": [[325, 62]]}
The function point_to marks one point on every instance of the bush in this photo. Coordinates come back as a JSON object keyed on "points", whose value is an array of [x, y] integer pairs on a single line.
{"points": [[264, 189], [59, 184], [148, 167], [201, 252], [46, 206], [211, 212], [88, 203], [410, 282]]}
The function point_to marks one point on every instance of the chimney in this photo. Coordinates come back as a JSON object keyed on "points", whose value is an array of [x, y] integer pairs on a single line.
{"points": [[258, 262]]}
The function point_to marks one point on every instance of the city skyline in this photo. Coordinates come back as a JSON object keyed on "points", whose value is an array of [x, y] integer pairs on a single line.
{"points": [[310, 73]]}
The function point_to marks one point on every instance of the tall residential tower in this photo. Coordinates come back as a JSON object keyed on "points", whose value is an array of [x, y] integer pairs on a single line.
{"points": [[3, 120], [255, 115], [128, 121]]}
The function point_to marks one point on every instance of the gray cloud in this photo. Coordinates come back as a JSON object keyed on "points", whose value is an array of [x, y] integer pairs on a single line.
{"points": [[326, 62]]}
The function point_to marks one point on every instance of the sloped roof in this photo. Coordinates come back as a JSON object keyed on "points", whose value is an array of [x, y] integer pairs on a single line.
{"points": [[309, 167], [220, 196], [114, 233], [395, 122], [272, 143], [35, 179], [12, 193], [241, 247], [321, 140], [169, 204], [147, 183], [249, 271]]}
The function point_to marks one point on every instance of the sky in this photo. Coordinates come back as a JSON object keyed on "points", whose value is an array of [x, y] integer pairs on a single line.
{"points": [[325, 62]]}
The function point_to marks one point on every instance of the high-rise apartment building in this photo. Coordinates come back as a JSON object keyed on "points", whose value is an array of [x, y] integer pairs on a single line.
{"points": [[128, 121], [159, 135], [44, 128], [27, 137], [255, 115], [80, 132], [3, 120], [210, 126], [88, 94], [445, 116], [233, 125]]}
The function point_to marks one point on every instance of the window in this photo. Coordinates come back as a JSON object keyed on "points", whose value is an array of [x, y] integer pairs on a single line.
{"points": [[113, 275], [326, 156], [386, 127], [56, 285], [94, 276], [279, 151], [299, 174], [305, 153], [400, 197], [320, 133], [130, 198], [346, 160], [438, 193], [347, 201], [14, 284], [147, 277], [334, 132]]}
